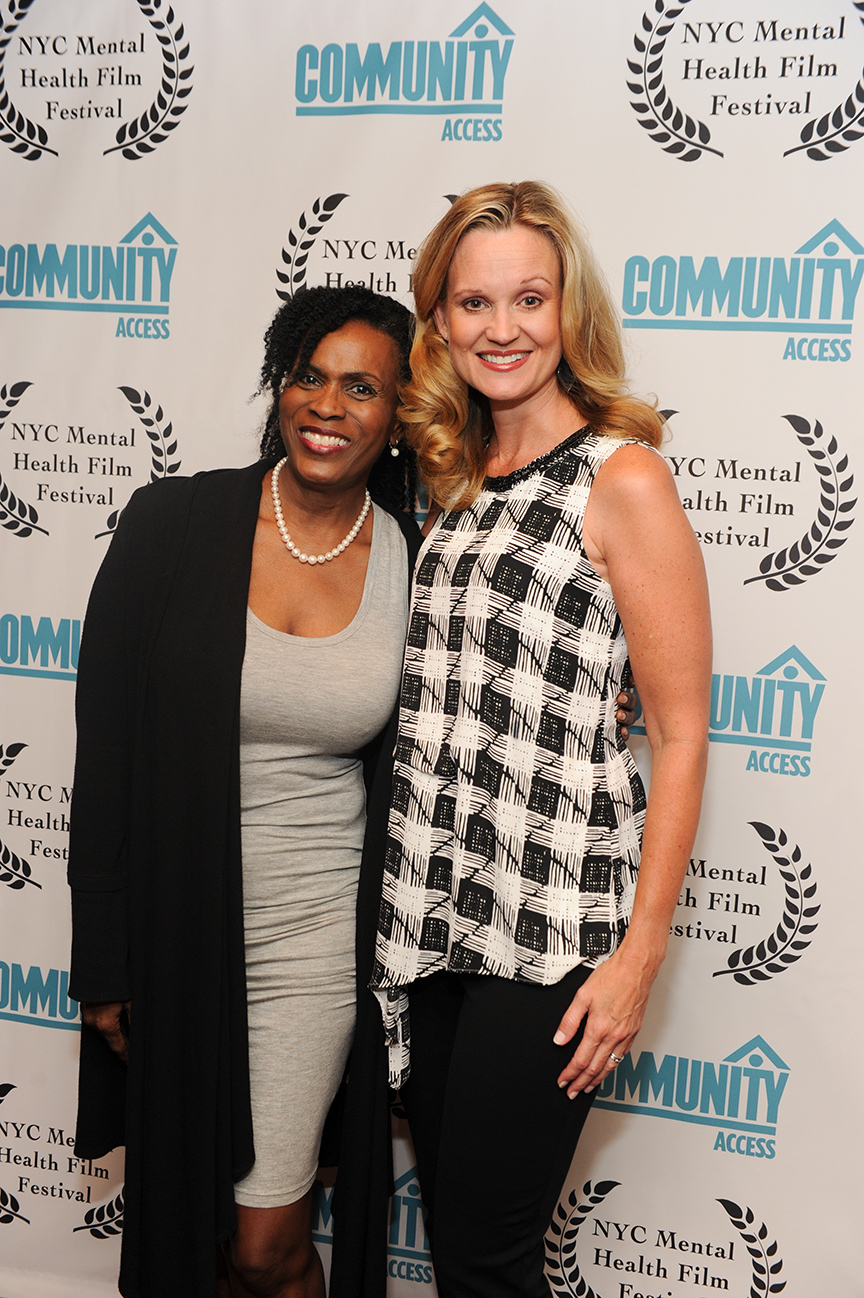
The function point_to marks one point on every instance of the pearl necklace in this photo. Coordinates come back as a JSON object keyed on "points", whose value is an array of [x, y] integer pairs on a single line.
{"points": [[283, 530]]}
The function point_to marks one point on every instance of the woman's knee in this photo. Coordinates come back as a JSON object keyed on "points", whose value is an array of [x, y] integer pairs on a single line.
{"points": [[272, 1249], [266, 1272]]}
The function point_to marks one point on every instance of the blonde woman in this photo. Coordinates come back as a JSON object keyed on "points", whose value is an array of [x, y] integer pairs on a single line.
{"points": [[519, 932]]}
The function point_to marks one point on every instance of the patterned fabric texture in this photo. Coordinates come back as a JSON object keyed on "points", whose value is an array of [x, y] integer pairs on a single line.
{"points": [[515, 829]]}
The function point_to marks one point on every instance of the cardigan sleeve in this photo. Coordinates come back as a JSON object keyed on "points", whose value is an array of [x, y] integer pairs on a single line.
{"points": [[100, 797], [120, 615]]}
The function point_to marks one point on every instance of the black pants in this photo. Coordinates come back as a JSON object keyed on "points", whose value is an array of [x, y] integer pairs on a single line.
{"points": [[493, 1134]]}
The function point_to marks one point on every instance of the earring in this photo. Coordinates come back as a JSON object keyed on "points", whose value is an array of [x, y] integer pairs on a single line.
{"points": [[394, 450]]}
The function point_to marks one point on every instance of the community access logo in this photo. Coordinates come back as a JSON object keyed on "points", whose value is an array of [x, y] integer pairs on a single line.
{"points": [[810, 297], [739, 1096], [130, 279], [408, 1256], [460, 78], [773, 713]]}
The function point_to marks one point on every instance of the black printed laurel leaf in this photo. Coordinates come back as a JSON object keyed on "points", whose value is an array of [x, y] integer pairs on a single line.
{"points": [[15, 516], [565, 1276], [757, 1249], [16, 130], [163, 444], [8, 755], [793, 565], [138, 138], [10, 1209], [295, 280], [784, 946], [5, 1088], [105, 1220], [15, 872], [680, 136], [834, 131]]}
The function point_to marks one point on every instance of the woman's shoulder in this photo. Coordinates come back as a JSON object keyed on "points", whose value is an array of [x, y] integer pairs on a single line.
{"points": [[631, 472], [174, 496]]}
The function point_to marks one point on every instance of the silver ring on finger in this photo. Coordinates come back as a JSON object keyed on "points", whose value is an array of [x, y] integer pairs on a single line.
{"points": [[618, 1059]]}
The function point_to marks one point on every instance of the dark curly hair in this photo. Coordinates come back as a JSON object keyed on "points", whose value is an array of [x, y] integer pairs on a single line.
{"points": [[296, 330]]}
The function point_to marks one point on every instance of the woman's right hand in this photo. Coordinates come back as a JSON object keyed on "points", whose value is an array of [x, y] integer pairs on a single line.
{"points": [[110, 1019]]}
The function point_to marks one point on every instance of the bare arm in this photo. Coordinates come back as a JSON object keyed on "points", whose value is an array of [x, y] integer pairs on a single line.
{"points": [[638, 538]]}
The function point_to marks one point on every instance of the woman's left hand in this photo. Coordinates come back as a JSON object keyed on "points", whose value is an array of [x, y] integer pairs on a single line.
{"points": [[614, 999]]}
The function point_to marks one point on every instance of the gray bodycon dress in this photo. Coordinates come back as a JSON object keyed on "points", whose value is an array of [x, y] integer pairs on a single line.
{"points": [[307, 706]]}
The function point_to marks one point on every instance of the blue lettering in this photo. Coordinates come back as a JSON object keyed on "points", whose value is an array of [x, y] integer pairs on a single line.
{"points": [[414, 74], [664, 272], [50, 270], [746, 707], [9, 638], [722, 715], [635, 272], [34, 988], [89, 262], [305, 89], [709, 284], [15, 270], [440, 71], [784, 287], [647, 1077], [45, 640], [330, 78], [112, 272], [373, 71]]}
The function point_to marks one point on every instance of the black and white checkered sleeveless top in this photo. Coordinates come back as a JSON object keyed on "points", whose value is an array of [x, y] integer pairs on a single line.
{"points": [[515, 829]]}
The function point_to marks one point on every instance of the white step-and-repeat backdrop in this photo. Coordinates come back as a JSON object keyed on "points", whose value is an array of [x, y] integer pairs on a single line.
{"points": [[168, 172]]}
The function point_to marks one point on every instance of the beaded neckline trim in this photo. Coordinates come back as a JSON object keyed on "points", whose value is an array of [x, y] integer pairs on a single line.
{"points": [[542, 462]]}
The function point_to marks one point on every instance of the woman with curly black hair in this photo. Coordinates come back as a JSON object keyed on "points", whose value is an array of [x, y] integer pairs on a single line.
{"points": [[240, 661]]}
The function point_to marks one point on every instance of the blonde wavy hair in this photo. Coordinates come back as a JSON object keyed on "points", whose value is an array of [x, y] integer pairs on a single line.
{"points": [[449, 423]]}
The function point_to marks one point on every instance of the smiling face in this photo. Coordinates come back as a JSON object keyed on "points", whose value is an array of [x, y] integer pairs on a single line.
{"points": [[337, 414], [501, 314]]}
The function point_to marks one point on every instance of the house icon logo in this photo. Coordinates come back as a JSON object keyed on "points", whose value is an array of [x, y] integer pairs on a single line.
{"points": [[149, 230], [828, 241]]}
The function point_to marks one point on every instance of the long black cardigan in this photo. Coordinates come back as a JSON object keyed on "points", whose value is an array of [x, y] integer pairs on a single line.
{"points": [[155, 869]]}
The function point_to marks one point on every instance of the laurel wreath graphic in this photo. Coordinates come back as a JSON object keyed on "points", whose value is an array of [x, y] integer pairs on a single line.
{"points": [[15, 872], [5, 1089], [16, 516], [818, 546], [562, 1266], [139, 137], [674, 131], [295, 253], [162, 448], [10, 1209], [16, 130], [791, 937], [104, 1221], [834, 132], [8, 755], [763, 1255]]}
